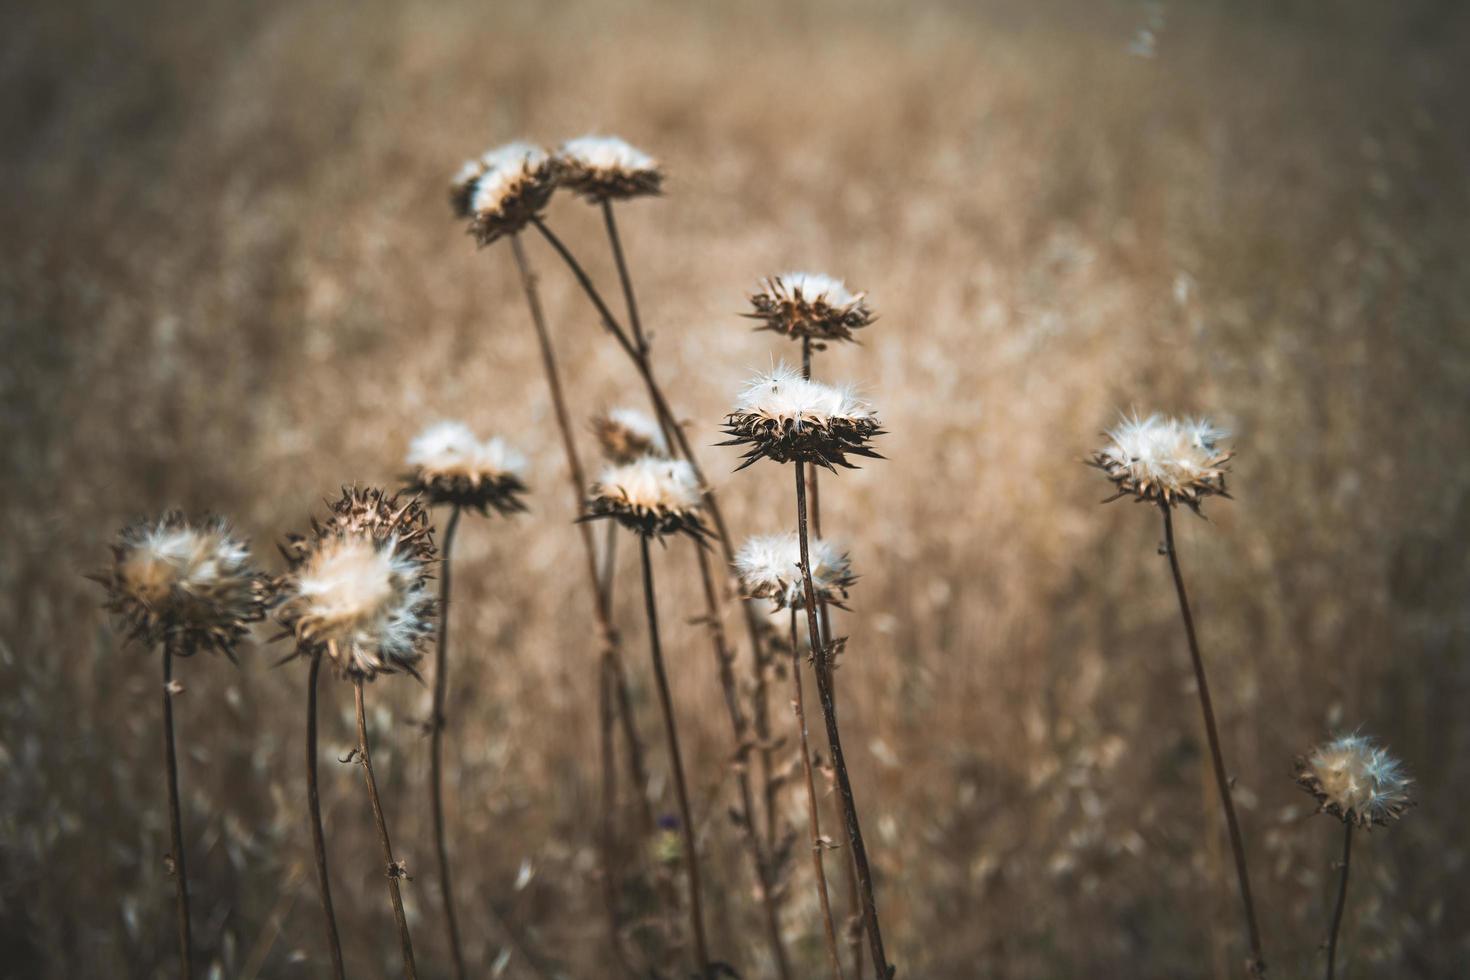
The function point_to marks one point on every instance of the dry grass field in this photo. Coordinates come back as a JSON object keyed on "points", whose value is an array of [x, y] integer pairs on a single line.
{"points": [[229, 281]]}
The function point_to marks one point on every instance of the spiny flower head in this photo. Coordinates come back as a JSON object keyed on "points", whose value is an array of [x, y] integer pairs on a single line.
{"points": [[606, 168], [189, 584], [785, 417], [1356, 780], [651, 495], [1165, 460], [449, 465], [513, 185], [809, 304], [627, 434], [357, 589], [770, 568]]}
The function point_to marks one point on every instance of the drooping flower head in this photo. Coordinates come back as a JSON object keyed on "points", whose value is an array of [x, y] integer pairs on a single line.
{"points": [[189, 584], [785, 417], [1165, 460], [626, 434], [652, 496], [770, 568], [357, 588], [1356, 780], [503, 190], [808, 304], [449, 465], [606, 168]]}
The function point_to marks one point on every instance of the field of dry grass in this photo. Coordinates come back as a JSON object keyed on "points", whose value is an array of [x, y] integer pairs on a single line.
{"points": [[229, 281]]}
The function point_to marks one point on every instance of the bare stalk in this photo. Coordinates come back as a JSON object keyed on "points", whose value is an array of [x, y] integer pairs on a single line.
{"points": [[176, 824], [314, 803], [393, 870], [1342, 885], [834, 739], [436, 748], [1257, 964]]}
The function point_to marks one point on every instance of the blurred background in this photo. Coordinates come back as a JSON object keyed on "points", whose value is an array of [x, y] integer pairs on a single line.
{"points": [[229, 280]]}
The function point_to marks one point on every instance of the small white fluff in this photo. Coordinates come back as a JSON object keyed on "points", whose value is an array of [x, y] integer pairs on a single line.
{"points": [[816, 287], [642, 425], [770, 568], [783, 394], [365, 601], [1174, 455], [450, 449], [608, 153], [198, 561], [1357, 780], [653, 484], [507, 168]]}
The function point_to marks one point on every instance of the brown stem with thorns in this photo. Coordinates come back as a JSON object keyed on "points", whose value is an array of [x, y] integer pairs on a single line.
{"points": [[175, 821], [813, 819], [364, 757], [1257, 964], [834, 738], [1342, 885], [436, 748], [314, 804]]}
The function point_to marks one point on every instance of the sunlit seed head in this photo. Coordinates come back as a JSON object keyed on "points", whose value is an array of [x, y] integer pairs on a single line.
{"points": [[515, 184], [1165, 460], [785, 417], [1356, 780], [809, 305], [626, 434], [450, 465], [652, 496], [606, 168], [770, 568]]}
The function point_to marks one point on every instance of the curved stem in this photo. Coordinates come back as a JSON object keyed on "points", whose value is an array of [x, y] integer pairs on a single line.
{"points": [[436, 748], [314, 804], [175, 822], [394, 872], [686, 822], [627, 280], [1257, 963], [1347, 860]]}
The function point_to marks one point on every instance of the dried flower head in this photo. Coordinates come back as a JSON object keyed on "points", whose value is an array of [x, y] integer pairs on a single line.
{"points": [[808, 304], [514, 184], [652, 496], [627, 434], [450, 466], [606, 168], [1356, 780], [770, 568], [189, 584], [785, 417], [1165, 460], [357, 589]]}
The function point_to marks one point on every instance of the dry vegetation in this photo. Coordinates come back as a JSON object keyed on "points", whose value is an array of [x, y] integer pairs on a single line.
{"points": [[229, 280]]}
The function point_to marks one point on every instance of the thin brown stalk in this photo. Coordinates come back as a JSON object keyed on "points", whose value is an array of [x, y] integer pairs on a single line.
{"points": [[175, 821], [436, 748], [314, 804], [834, 739], [1342, 886], [392, 868], [1257, 964]]}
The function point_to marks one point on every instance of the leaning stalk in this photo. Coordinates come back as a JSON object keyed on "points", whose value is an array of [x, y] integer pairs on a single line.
{"points": [[394, 872], [318, 840], [436, 747]]}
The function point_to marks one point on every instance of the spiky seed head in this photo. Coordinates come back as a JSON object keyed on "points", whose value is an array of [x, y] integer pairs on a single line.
{"points": [[653, 496], [357, 587], [1165, 460], [190, 584], [514, 185], [626, 434], [770, 568], [606, 168], [450, 465], [810, 305], [784, 417], [1356, 780]]}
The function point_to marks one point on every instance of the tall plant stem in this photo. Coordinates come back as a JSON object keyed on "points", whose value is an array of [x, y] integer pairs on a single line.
{"points": [[814, 825], [834, 738], [676, 763], [390, 866], [175, 821], [436, 748], [314, 803], [1342, 885], [1257, 963]]}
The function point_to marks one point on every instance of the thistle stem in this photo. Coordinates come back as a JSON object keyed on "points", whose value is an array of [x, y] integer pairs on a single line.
{"points": [[812, 811], [436, 747], [1257, 964], [834, 738], [176, 824], [314, 804], [676, 762], [391, 866], [627, 280], [1342, 886]]}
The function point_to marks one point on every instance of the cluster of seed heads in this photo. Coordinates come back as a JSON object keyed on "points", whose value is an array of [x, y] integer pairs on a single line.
{"points": [[1355, 780], [450, 465], [809, 305]]}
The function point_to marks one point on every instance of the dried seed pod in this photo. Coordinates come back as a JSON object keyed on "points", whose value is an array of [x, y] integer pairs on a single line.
{"points": [[785, 417], [606, 168], [1165, 460], [513, 185], [810, 305], [652, 496], [626, 434], [449, 465], [770, 568], [1356, 780]]}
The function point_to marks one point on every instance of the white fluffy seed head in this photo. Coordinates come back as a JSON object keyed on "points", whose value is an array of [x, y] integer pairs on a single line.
{"points": [[783, 395], [626, 434], [1356, 780], [809, 305], [606, 153], [770, 568], [605, 168], [451, 449], [784, 417], [651, 495], [817, 287], [1165, 459], [516, 182]]}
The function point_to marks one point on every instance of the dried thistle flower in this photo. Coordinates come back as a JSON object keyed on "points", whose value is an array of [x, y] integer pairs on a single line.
{"points": [[627, 434], [357, 588], [187, 583], [451, 466], [1165, 460], [1356, 780], [785, 417], [652, 496], [770, 568], [606, 168], [809, 304], [514, 184]]}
